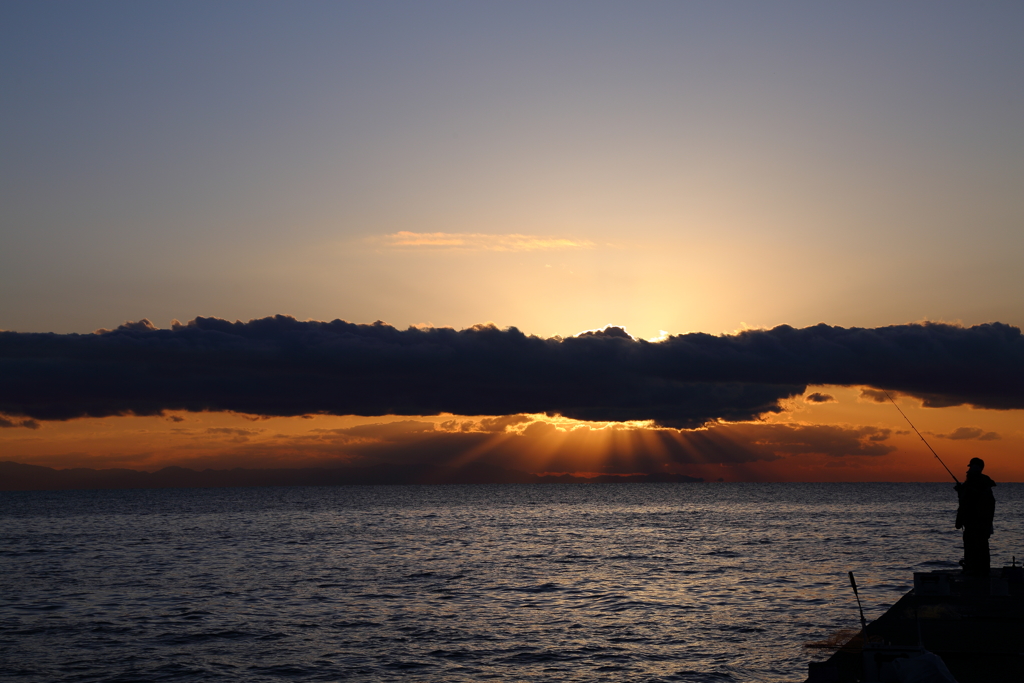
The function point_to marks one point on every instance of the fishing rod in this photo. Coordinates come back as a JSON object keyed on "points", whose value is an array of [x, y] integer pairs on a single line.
{"points": [[919, 434]]}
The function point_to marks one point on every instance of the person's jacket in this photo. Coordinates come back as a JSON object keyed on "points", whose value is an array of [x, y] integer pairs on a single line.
{"points": [[977, 504]]}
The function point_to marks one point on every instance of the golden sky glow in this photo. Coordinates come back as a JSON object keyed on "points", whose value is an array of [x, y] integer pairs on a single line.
{"points": [[540, 444], [752, 165]]}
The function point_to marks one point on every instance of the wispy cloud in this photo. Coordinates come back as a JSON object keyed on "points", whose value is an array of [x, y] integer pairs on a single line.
{"points": [[970, 433], [480, 241], [9, 424]]}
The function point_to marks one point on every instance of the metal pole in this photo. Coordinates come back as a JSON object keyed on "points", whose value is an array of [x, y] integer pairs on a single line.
{"points": [[863, 621]]}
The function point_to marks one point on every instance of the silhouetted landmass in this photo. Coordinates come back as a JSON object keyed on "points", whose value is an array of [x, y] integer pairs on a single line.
{"points": [[285, 367], [20, 477]]}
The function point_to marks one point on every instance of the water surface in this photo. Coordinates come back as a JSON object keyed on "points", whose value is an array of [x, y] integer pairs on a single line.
{"points": [[576, 582]]}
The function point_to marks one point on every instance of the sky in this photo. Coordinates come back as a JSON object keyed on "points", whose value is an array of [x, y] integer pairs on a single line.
{"points": [[673, 172]]}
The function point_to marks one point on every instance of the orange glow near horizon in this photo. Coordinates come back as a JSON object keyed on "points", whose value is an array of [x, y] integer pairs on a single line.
{"points": [[844, 438]]}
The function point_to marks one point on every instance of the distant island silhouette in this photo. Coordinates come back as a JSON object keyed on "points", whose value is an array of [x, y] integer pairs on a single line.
{"points": [[21, 477]]}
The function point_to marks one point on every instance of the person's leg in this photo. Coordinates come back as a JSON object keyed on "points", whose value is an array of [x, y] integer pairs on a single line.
{"points": [[976, 560], [984, 560]]}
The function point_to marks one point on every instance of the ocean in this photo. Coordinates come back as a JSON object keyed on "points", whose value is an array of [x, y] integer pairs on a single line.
{"points": [[577, 582]]}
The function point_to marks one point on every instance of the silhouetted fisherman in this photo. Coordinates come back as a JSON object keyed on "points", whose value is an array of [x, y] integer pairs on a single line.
{"points": [[975, 515]]}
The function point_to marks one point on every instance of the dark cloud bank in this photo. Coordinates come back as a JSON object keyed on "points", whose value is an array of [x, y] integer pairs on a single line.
{"points": [[281, 366]]}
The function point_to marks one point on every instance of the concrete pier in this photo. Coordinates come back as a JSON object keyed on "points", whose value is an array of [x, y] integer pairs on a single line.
{"points": [[975, 624]]}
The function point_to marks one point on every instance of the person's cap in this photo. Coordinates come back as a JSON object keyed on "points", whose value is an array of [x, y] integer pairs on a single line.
{"points": [[977, 461]]}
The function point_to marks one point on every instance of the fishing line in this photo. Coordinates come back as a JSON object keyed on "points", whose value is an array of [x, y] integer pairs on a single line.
{"points": [[919, 434]]}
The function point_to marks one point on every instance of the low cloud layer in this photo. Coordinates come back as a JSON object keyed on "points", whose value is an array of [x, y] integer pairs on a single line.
{"points": [[281, 366], [537, 445]]}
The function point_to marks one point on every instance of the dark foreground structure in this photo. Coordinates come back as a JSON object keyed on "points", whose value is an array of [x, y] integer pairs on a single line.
{"points": [[974, 624]]}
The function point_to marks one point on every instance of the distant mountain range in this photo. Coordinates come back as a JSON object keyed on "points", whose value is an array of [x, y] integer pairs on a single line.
{"points": [[20, 477]]}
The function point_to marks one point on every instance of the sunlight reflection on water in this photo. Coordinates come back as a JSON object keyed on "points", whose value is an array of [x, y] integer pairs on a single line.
{"points": [[673, 582]]}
